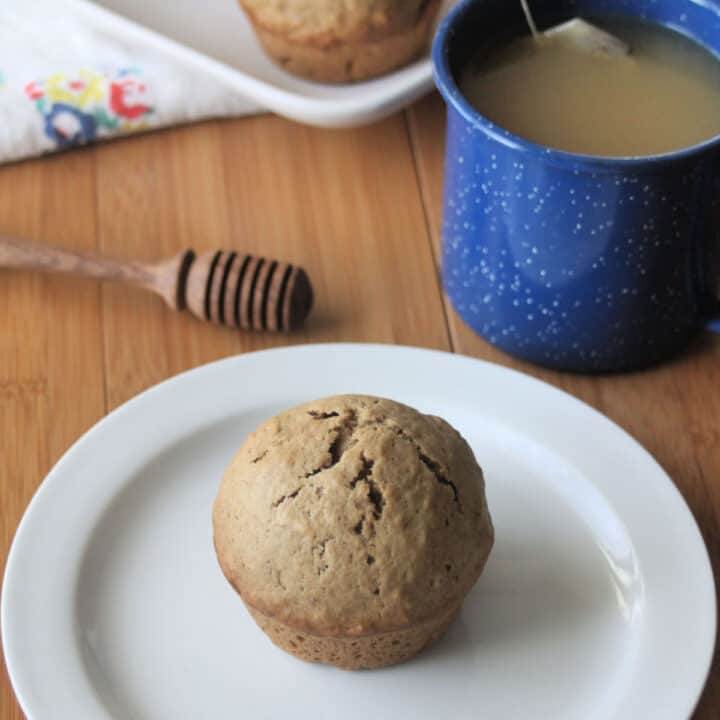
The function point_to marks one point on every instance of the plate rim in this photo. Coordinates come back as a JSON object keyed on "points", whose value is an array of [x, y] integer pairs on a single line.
{"points": [[683, 512]]}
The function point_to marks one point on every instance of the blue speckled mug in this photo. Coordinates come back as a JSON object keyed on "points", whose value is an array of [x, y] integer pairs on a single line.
{"points": [[571, 261]]}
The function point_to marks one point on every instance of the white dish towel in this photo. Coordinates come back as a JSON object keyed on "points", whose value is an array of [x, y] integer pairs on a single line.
{"points": [[67, 80]]}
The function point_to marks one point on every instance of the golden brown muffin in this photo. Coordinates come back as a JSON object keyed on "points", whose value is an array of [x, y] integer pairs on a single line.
{"points": [[353, 527], [342, 40]]}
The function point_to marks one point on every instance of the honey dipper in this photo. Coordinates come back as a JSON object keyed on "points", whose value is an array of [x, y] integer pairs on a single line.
{"points": [[225, 287]]}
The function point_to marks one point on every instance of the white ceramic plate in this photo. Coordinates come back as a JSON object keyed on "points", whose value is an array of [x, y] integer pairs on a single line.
{"points": [[214, 36], [597, 601]]}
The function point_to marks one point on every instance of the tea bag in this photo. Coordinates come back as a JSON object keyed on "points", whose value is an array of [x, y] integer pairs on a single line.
{"points": [[582, 34]]}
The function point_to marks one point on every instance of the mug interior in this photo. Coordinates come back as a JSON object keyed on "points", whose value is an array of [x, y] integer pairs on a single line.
{"points": [[483, 26]]}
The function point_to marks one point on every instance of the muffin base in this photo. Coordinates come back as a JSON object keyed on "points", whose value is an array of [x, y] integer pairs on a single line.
{"points": [[362, 652], [351, 61]]}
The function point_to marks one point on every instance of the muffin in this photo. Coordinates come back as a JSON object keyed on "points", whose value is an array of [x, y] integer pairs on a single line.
{"points": [[341, 41], [352, 528]]}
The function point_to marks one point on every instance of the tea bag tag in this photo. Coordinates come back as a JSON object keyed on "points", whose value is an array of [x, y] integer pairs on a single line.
{"points": [[586, 36], [580, 33]]}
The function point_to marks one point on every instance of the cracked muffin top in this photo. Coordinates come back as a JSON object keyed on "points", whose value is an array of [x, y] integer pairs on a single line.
{"points": [[327, 21], [352, 515]]}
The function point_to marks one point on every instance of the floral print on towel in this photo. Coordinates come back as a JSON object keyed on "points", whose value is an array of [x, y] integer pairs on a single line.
{"points": [[79, 108]]}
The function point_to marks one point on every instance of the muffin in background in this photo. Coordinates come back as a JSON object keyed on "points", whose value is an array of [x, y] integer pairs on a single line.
{"points": [[339, 41], [353, 527]]}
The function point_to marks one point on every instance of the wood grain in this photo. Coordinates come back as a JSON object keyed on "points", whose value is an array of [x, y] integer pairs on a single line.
{"points": [[344, 205], [274, 189], [673, 410], [51, 374], [359, 209]]}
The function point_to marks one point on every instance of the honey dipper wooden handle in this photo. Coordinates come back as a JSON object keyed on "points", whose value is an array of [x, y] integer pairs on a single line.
{"points": [[16, 253]]}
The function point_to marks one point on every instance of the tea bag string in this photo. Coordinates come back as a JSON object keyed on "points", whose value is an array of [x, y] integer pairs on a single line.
{"points": [[529, 18]]}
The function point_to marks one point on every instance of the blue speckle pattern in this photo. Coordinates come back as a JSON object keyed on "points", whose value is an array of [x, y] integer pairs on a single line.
{"points": [[574, 262]]}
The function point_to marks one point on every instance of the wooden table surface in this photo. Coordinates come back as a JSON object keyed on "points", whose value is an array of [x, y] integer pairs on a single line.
{"points": [[360, 209]]}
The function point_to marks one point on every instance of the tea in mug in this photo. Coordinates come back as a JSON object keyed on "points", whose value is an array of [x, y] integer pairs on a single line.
{"points": [[663, 96]]}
